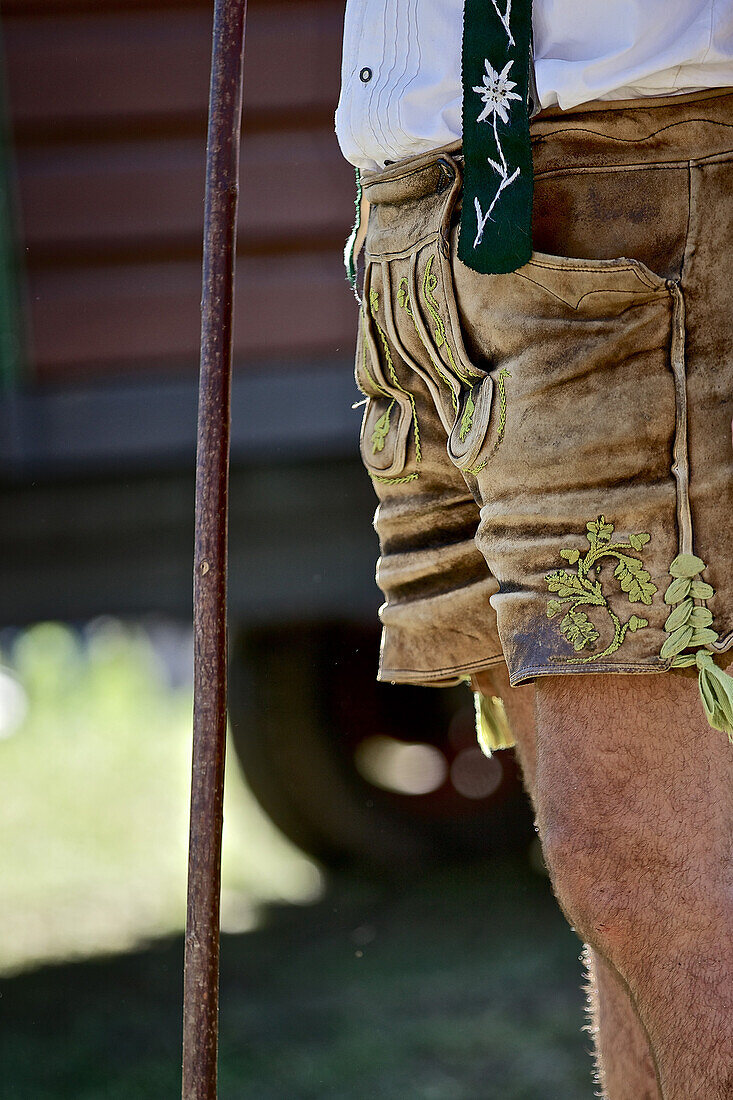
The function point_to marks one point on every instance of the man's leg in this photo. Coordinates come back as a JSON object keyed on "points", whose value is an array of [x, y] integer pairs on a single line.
{"points": [[623, 1058], [633, 801]]}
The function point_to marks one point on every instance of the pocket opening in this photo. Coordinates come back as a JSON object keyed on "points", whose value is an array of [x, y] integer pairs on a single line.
{"points": [[390, 410]]}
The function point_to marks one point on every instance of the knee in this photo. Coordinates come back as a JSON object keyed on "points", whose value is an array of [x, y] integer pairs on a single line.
{"points": [[597, 882]]}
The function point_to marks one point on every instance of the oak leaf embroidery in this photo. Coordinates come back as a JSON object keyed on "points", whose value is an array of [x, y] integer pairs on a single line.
{"points": [[574, 591], [381, 430]]}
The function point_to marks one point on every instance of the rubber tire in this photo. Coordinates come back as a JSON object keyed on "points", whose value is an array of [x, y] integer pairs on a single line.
{"points": [[298, 760]]}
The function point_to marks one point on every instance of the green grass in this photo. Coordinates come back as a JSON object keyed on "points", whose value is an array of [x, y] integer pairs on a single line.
{"points": [[462, 984]]}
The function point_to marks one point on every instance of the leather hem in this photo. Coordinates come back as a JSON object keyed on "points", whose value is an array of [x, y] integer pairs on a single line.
{"points": [[437, 677]]}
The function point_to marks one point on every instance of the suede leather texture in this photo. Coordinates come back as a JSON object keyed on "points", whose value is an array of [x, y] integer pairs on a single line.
{"points": [[506, 414]]}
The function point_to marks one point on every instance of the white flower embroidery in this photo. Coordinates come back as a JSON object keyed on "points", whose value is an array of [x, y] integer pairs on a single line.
{"points": [[505, 18], [497, 94]]}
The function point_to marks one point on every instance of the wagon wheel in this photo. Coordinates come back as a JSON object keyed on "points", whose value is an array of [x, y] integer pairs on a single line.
{"points": [[356, 772]]}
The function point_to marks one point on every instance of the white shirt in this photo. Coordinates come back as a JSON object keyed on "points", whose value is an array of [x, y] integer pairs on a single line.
{"points": [[401, 71]]}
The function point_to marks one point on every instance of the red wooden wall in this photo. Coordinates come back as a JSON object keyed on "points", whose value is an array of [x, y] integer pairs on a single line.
{"points": [[108, 114]]}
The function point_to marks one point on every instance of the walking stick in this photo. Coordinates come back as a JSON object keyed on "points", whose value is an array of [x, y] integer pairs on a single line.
{"points": [[201, 964]]}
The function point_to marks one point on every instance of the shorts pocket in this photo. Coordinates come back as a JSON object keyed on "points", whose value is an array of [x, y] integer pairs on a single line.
{"points": [[436, 319], [389, 413], [594, 426], [639, 212], [560, 329]]}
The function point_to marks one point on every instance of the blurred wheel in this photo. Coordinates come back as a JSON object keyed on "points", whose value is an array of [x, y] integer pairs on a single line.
{"points": [[354, 771]]}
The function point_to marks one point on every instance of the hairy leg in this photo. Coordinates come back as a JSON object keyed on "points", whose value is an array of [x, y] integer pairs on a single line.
{"points": [[624, 1064], [632, 791], [623, 1059]]}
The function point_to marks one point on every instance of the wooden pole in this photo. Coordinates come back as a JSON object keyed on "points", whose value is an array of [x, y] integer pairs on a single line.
{"points": [[201, 964]]}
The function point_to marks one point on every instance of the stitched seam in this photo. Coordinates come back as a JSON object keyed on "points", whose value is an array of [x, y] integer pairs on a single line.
{"points": [[724, 644], [630, 141], [658, 166], [403, 297], [680, 454], [595, 169], [394, 480], [404, 252], [588, 294], [472, 371], [395, 175], [658, 665], [367, 372], [393, 376], [605, 106], [689, 221], [475, 470], [374, 299], [588, 267], [447, 670], [711, 158]]}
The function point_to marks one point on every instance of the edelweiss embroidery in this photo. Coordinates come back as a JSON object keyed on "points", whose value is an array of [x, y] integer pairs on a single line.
{"points": [[577, 590], [497, 93]]}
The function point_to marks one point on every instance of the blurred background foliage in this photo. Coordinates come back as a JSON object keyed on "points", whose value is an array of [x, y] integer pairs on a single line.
{"points": [[94, 798], [460, 983]]}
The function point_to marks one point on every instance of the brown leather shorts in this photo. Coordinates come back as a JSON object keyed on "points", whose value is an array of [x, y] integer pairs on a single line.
{"points": [[551, 448]]}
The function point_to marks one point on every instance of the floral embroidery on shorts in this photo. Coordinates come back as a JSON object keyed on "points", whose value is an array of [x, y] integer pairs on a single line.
{"points": [[580, 589]]}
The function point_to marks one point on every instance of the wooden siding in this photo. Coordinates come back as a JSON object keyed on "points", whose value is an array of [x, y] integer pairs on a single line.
{"points": [[108, 109]]}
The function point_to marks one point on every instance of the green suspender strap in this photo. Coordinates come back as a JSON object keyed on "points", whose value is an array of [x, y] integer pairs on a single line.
{"points": [[498, 101], [496, 220]]}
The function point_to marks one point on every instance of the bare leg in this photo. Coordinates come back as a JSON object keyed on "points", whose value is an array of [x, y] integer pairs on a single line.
{"points": [[623, 1059], [633, 800], [624, 1063]]}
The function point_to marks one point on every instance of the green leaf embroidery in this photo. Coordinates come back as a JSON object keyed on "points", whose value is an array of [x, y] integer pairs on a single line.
{"points": [[599, 530], [635, 623], [704, 637], [684, 660], [380, 431], [634, 580], [700, 617], [678, 640], [679, 616], [686, 565], [578, 629], [689, 626], [403, 297], [678, 590], [467, 419], [570, 555], [565, 584], [576, 589]]}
